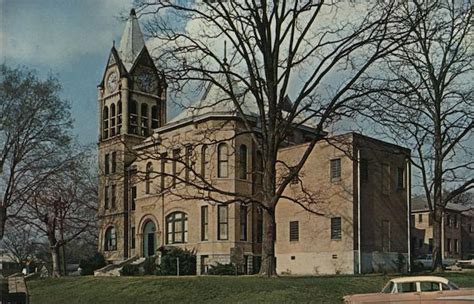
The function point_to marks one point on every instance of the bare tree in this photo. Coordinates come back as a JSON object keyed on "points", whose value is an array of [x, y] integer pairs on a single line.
{"points": [[19, 243], [292, 63], [34, 127], [62, 209], [424, 100]]}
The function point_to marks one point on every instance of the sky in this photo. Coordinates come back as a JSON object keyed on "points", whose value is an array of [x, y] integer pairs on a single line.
{"points": [[69, 39]]}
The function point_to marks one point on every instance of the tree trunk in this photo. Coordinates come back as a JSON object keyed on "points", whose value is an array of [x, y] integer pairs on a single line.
{"points": [[63, 260], [56, 261], [437, 240], [268, 265]]}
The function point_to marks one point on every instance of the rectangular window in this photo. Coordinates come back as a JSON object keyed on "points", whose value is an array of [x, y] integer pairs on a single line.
{"points": [[386, 236], [106, 197], [134, 197], [456, 246], [175, 167], [364, 170], [336, 227], [114, 196], [114, 162], [470, 228], [335, 169], [455, 219], [420, 218], [223, 222], [204, 223], [187, 159], [294, 231], [164, 156], [400, 178], [243, 223], [295, 179], [133, 238], [106, 164], [448, 245], [385, 178], [448, 220]]}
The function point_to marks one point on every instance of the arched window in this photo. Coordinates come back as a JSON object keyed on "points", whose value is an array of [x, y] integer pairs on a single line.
{"points": [[243, 162], [144, 119], [204, 161], [112, 119], [105, 116], [154, 117], [133, 117], [149, 170], [119, 117], [110, 239], [222, 160], [177, 228]]}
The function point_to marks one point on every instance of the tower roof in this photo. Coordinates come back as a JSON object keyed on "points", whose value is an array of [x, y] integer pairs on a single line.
{"points": [[132, 41]]}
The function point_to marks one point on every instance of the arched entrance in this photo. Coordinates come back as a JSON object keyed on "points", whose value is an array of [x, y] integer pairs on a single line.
{"points": [[149, 239]]}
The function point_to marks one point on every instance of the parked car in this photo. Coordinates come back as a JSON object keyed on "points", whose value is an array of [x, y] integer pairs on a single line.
{"points": [[467, 263], [426, 261], [424, 289]]}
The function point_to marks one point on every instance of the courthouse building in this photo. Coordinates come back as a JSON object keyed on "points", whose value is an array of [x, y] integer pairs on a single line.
{"points": [[147, 163]]}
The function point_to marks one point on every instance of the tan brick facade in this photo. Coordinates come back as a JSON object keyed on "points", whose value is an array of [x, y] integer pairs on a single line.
{"points": [[137, 216]]}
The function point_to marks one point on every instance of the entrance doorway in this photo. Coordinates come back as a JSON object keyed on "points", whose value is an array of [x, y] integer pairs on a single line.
{"points": [[149, 239]]}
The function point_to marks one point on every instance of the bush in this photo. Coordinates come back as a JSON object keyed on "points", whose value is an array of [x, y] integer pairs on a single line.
{"points": [[222, 269], [92, 263], [130, 270], [187, 262], [400, 262], [149, 266]]}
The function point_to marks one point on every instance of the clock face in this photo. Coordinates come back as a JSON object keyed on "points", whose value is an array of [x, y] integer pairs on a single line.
{"points": [[146, 82], [112, 82]]}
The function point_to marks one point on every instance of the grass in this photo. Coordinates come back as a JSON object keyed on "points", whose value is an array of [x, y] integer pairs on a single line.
{"points": [[249, 289]]}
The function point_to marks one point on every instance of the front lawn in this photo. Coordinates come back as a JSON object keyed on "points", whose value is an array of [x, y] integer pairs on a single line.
{"points": [[249, 289]]}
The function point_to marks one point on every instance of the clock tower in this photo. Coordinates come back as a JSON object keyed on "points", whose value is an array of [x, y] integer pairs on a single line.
{"points": [[132, 102]]}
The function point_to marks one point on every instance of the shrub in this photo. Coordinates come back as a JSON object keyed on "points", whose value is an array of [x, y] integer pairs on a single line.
{"points": [[187, 262], [92, 263], [130, 270], [149, 266], [222, 269], [400, 262]]}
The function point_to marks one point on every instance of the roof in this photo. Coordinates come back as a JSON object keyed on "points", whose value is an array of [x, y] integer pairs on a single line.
{"points": [[132, 42], [216, 102], [420, 204], [420, 279]]}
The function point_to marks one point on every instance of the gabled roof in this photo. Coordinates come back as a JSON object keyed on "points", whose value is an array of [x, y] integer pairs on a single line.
{"points": [[114, 58], [132, 42]]}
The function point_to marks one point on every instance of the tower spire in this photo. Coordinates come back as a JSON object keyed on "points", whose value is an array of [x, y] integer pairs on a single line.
{"points": [[132, 42]]}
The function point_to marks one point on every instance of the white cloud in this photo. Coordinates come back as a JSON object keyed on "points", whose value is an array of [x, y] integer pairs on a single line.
{"points": [[54, 33]]}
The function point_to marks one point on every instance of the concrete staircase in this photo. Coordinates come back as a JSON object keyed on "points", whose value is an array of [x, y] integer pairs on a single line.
{"points": [[113, 270]]}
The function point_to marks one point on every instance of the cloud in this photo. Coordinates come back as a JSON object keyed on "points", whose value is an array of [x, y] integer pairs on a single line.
{"points": [[54, 32]]}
